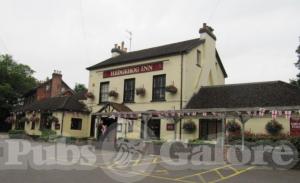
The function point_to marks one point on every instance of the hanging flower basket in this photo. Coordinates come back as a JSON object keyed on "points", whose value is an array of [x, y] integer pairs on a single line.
{"points": [[113, 93], [189, 127], [233, 127], [52, 119], [141, 91], [10, 120], [90, 95], [24, 120], [273, 127], [172, 89]]}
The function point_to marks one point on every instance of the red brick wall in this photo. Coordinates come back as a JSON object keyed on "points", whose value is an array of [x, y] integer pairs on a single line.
{"points": [[56, 84], [42, 93]]}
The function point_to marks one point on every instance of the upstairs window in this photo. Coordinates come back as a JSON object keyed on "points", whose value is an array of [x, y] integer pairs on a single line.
{"points": [[159, 88], [76, 124], [47, 87], [129, 87], [104, 90], [198, 58]]}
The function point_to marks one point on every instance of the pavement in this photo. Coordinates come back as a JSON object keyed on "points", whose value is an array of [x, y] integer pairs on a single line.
{"points": [[112, 167], [3, 136]]}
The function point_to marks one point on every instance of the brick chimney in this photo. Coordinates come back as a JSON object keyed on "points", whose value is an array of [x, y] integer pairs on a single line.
{"points": [[56, 83], [118, 50]]}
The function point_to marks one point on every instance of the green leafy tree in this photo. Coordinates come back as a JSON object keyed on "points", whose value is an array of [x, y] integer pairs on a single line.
{"points": [[80, 88], [15, 80], [296, 81]]}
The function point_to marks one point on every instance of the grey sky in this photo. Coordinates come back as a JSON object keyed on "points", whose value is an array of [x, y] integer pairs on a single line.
{"points": [[256, 39]]}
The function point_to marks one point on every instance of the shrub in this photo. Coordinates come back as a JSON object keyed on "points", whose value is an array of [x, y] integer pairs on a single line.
{"points": [[189, 126], [274, 127], [47, 135], [16, 134], [197, 142], [233, 127]]}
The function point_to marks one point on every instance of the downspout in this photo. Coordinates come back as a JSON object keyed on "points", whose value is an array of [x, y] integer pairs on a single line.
{"points": [[181, 95], [62, 124]]}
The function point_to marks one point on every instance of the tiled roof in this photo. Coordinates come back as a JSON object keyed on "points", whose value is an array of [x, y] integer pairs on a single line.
{"points": [[68, 103], [33, 90], [134, 56], [262, 94], [118, 107]]}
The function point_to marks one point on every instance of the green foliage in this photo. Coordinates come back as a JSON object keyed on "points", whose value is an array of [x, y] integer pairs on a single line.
{"points": [[80, 88], [16, 134], [273, 127], [15, 80], [296, 82], [52, 119], [48, 135], [158, 142], [197, 142], [189, 126]]}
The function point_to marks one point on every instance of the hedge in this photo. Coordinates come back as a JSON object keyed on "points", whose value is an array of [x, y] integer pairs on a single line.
{"points": [[16, 134]]}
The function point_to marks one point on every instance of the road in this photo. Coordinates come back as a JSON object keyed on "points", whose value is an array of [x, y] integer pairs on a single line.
{"points": [[149, 168]]}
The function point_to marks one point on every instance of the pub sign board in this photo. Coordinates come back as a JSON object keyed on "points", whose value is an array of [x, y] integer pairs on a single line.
{"points": [[133, 70], [295, 126], [170, 127]]}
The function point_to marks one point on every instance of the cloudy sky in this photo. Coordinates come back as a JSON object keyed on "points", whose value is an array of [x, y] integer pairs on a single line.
{"points": [[256, 39]]}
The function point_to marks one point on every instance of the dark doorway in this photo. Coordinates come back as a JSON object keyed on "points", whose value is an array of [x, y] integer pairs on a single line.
{"points": [[110, 134], [20, 125], [45, 124], [93, 125], [152, 131], [209, 128], [154, 128]]}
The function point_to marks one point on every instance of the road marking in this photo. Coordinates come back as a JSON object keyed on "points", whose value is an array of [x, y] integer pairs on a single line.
{"points": [[232, 175], [163, 171], [201, 173], [149, 175], [219, 173], [202, 179]]}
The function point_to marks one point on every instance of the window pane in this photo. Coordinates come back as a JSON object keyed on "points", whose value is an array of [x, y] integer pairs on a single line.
{"points": [[159, 83], [129, 87], [76, 124], [104, 90]]}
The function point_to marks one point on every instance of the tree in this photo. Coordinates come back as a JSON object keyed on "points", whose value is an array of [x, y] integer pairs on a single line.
{"points": [[80, 88], [296, 81], [15, 80]]}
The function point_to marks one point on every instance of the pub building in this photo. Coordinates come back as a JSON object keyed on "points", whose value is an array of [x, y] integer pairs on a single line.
{"points": [[174, 91], [155, 79], [163, 88]]}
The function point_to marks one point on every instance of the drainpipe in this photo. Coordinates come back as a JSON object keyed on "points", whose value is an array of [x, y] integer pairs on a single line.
{"points": [[181, 88], [62, 124]]}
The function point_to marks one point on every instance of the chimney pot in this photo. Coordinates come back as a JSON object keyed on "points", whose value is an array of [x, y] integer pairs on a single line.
{"points": [[208, 30], [122, 45]]}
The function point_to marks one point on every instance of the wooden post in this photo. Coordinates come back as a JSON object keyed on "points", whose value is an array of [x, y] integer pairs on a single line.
{"points": [[243, 136]]}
